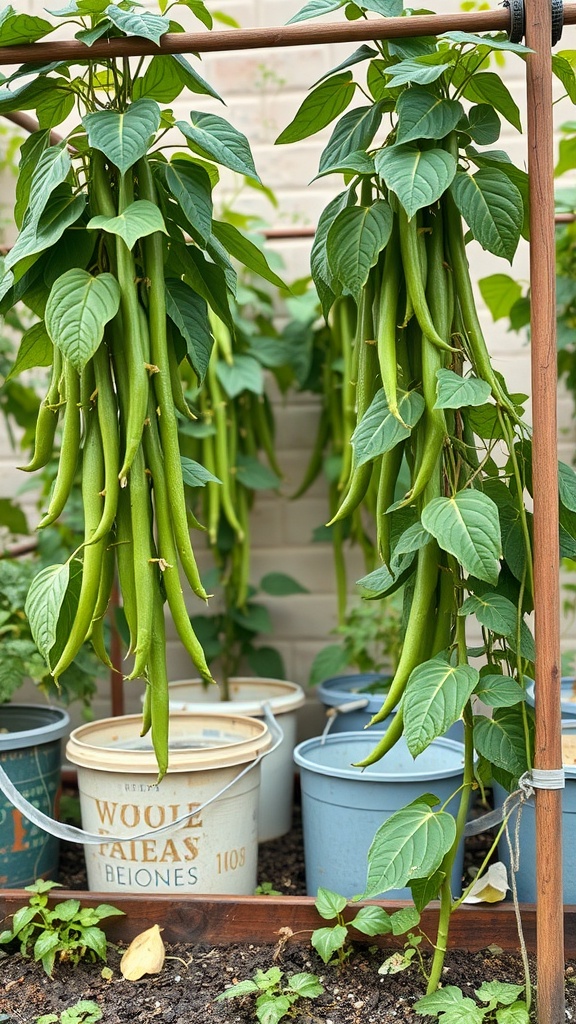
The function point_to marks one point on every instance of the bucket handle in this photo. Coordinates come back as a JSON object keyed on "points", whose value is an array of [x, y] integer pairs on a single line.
{"points": [[72, 834]]}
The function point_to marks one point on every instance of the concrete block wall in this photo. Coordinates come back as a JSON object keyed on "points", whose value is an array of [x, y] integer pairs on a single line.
{"points": [[263, 89]]}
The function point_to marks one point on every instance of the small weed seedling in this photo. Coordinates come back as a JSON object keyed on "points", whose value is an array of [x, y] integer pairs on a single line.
{"points": [[275, 997], [332, 943], [68, 931], [451, 1006], [266, 889], [85, 1011]]}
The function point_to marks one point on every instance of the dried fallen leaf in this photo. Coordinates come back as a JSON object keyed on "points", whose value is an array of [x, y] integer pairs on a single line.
{"points": [[145, 955]]}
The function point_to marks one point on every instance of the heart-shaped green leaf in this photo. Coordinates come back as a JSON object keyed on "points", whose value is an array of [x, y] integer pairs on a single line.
{"points": [[456, 392], [418, 177], [213, 137], [501, 739], [492, 206], [138, 23], [487, 87], [379, 430], [78, 309], [435, 697], [139, 219], [123, 137], [499, 691], [354, 132], [42, 608], [51, 170], [500, 292], [35, 350], [314, 8], [355, 240], [494, 611], [410, 844], [422, 115], [483, 124], [244, 374], [468, 527], [420, 71], [62, 210], [195, 475]]}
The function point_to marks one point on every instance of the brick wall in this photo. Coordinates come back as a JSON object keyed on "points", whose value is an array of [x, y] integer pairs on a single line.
{"points": [[263, 90]]}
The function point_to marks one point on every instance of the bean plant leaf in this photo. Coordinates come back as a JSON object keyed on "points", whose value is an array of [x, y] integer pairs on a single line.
{"points": [[414, 538], [567, 486], [355, 240], [62, 210], [189, 313], [501, 739], [35, 349], [467, 526], [195, 475], [379, 430], [499, 691], [138, 23], [418, 177], [279, 584], [500, 292], [213, 137], [31, 151], [387, 8], [78, 309], [354, 132], [161, 81], [493, 611], [327, 940], [251, 473], [361, 54], [387, 579], [43, 603], [190, 186], [305, 985], [325, 102], [372, 921], [329, 904], [487, 87], [492, 42], [139, 219], [456, 392], [483, 124], [420, 71], [53, 167], [435, 697], [123, 137], [244, 374], [244, 250], [410, 844], [314, 8], [191, 80], [492, 206], [17, 28], [422, 115]]}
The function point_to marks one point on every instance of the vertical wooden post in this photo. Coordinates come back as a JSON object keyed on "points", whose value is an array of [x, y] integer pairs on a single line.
{"points": [[550, 932]]}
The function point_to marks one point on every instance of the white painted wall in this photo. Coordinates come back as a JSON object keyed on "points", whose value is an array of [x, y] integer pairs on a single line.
{"points": [[263, 90]]}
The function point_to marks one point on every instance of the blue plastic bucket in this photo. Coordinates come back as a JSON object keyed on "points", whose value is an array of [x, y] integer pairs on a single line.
{"points": [[526, 874], [344, 691], [567, 696], [30, 742], [343, 807]]}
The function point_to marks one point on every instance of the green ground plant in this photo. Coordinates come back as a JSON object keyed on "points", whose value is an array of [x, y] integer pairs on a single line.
{"points": [[65, 932], [85, 1011], [451, 1006], [275, 992]]}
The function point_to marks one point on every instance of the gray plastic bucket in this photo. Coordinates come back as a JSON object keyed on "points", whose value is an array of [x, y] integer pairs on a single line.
{"points": [[30, 754], [526, 874], [343, 806], [342, 694]]}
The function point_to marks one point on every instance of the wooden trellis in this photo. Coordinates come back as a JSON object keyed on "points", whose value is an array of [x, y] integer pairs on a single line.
{"points": [[538, 33]]}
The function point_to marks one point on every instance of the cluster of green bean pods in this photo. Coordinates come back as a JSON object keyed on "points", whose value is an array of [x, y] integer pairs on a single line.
{"points": [[119, 424]]}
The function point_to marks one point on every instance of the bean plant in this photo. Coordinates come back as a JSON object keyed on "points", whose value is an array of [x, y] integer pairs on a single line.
{"points": [[422, 179], [122, 262]]}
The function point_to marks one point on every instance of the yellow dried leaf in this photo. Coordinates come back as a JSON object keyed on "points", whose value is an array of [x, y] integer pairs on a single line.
{"points": [[145, 955]]}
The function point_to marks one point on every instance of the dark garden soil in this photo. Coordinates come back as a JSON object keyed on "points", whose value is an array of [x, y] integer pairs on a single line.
{"points": [[194, 974]]}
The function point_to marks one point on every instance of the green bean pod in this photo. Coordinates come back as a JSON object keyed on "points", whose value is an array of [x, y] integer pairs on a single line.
{"points": [[69, 449], [154, 260], [158, 716], [413, 271], [143, 555], [386, 324], [224, 470], [47, 420], [107, 410], [103, 600]]}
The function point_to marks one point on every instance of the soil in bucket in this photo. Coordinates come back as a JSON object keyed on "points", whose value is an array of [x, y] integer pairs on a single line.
{"points": [[343, 806], [30, 754], [215, 850], [247, 697]]}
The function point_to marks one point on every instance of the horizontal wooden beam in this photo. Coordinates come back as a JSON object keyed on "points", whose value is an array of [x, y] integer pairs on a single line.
{"points": [[220, 920], [300, 34]]}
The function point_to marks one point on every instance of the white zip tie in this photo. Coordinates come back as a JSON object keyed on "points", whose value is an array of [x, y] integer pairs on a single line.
{"points": [[549, 778]]}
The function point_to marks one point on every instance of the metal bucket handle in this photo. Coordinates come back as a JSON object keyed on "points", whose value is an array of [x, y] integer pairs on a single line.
{"points": [[72, 834]]}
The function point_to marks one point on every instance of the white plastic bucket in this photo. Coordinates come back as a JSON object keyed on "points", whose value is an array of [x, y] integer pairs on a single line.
{"points": [[215, 851], [248, 695]]}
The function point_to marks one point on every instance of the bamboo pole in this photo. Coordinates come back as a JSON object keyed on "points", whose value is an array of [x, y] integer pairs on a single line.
{"points": [[548, 752]]}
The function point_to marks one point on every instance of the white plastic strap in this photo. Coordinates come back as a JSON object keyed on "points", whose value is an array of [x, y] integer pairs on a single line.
{"points": [[551, 778], [72, 834]]}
